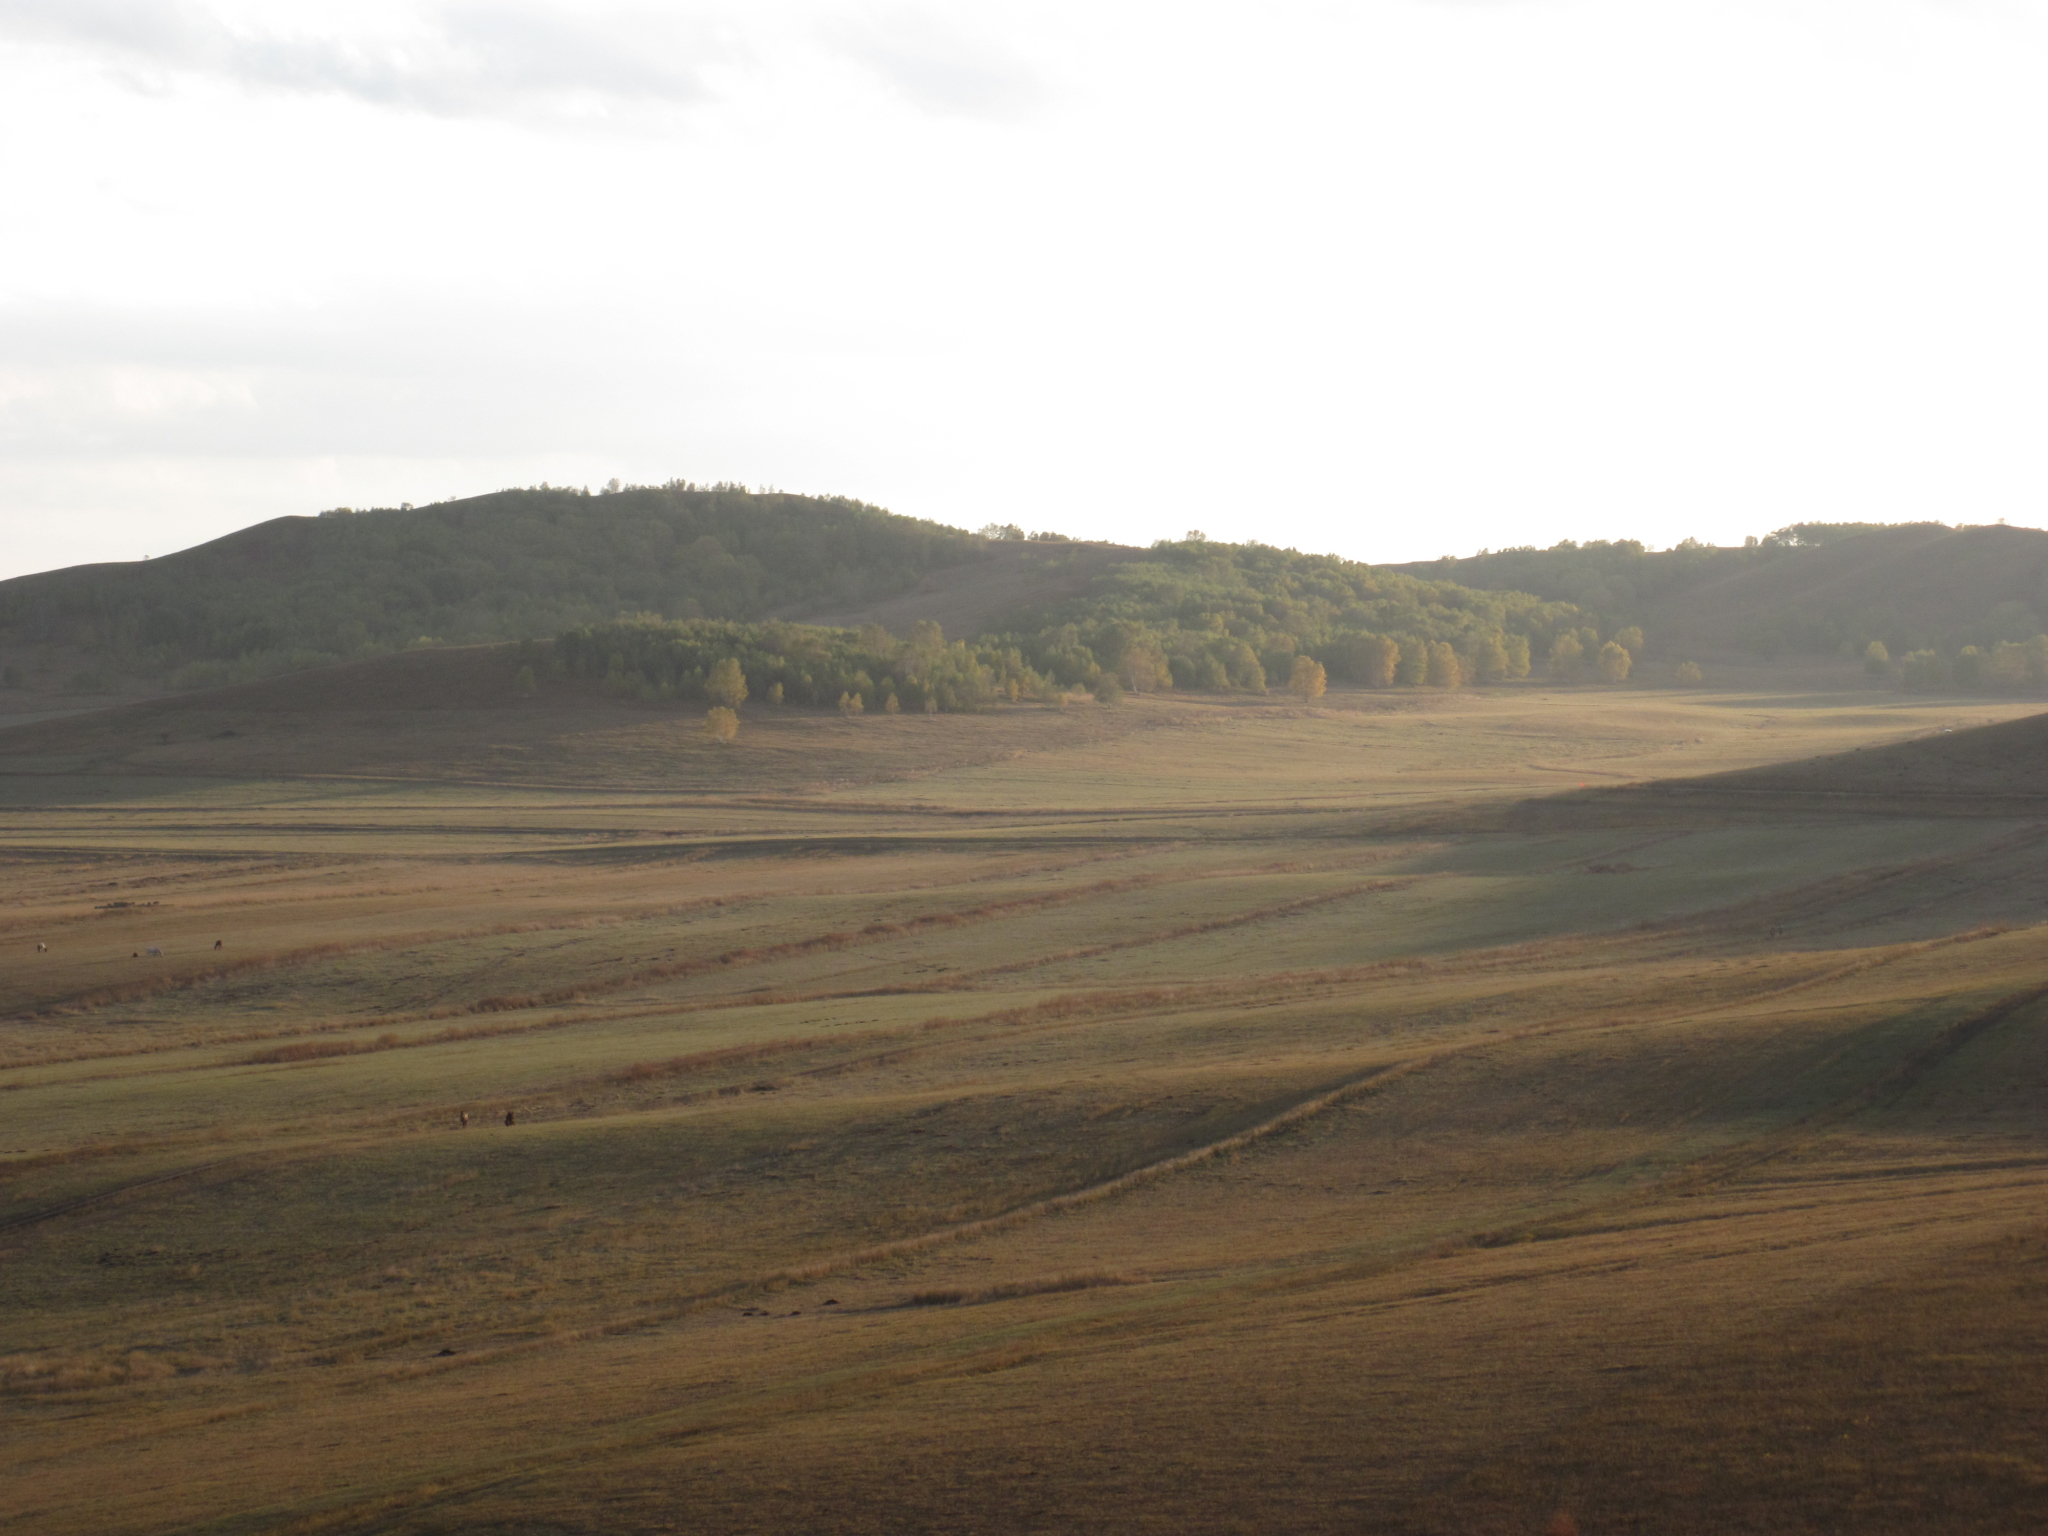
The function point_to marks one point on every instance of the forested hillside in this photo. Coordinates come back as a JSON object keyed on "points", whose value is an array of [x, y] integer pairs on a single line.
{"points": [[1197, 614], [304, 591], [1924, 591], [641, 586]]}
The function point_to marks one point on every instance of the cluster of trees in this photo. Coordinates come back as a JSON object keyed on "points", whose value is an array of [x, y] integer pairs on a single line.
{"points": [[2007, 665], [1619, 582], [1813, 588], [725, 663], [1203, 616], [303, 591]]}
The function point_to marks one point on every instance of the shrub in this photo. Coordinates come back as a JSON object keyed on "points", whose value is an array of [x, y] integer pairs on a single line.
{"points": [[1108, 690], [720, 723], [1615, 662]]}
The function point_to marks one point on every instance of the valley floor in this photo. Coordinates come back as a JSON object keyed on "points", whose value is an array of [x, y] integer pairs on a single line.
{"points": [[1191, 1117]]}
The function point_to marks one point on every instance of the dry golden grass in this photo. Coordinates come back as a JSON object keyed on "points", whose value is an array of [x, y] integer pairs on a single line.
{"points": [[1202, 1116]]}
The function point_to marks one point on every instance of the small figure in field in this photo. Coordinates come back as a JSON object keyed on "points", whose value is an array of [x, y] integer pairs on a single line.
{"points": [[42, 949], [508, 1117], [465, 1119], [156, 950], [219, 944]]}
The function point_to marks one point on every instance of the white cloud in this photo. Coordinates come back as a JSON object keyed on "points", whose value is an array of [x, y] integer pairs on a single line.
{"points": [[938, 65], [485, 58], [1388, 278]]}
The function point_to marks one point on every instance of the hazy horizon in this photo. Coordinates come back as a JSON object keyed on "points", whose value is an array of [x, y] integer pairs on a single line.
{"points": [[1392, 281]]}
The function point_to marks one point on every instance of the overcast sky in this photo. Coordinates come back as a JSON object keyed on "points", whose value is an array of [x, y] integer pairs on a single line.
{"points": [[1394, 278]]}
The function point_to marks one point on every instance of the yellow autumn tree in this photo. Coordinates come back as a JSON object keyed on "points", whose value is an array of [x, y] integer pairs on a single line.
{"points": [[726, 683], [1445, 670], [1614, 663], [1379, 656], [720, 723], [1307, 680]]}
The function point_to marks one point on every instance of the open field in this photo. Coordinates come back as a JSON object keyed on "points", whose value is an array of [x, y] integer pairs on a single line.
{"points": [[1408, 1113]]}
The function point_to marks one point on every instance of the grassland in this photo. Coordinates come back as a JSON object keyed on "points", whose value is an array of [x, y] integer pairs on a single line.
{"points": [[1191, 1116]]}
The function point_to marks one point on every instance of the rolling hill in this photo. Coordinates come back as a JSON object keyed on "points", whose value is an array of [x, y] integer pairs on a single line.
{"points": [[1814, 588], [1191, 615], [305, 591]]}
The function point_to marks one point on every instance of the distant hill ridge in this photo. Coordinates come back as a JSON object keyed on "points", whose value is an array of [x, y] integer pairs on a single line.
{"points": [[1959, 606], [296, 592], [302, 592], [1811, 588]]}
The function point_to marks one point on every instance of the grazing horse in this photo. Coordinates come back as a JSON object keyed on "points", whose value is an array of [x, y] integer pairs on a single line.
{"points": [[155, 949], [42, 949], [465, 1119], [219, 944], [508, 1117]]}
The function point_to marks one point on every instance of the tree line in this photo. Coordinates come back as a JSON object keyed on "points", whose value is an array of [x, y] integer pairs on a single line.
{"points": [[2007, 666], [1202, 616], [854, 670]]}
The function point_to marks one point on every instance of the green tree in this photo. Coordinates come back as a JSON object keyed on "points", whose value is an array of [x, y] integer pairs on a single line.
{"points": [[1922, 669], [1630, 639], [1411, 666], [726, 683], [1877, 661], [1687, 674], [1108, 690], [1517, 647], [720, 723], [1490, 659], [774, 694], [1567, 655], [1615, 662], [1307, 680], [1969, 667]]}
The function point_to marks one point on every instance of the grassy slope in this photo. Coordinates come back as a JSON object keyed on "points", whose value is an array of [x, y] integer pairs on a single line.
{"points": [[1682, 1176]]}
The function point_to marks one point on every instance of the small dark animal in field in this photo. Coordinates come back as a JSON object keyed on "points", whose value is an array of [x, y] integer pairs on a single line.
{"points": [[219, 944], [508, 1117], [465, 1119], [42, 949]]}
